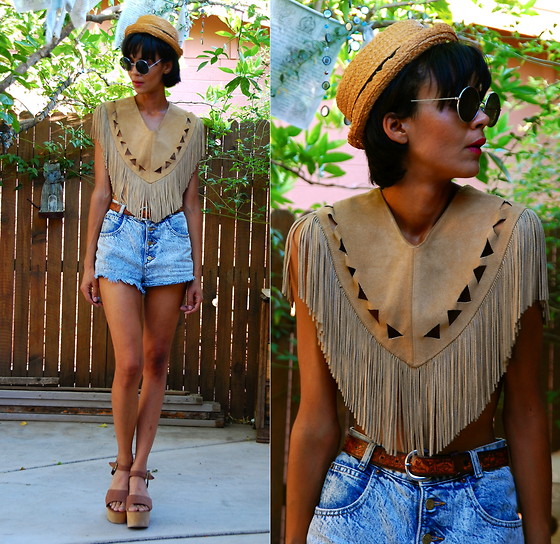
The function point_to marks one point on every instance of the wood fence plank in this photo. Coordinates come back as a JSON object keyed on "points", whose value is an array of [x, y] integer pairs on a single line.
{"points": [[70, 282], [7, 274], [241, 319], [210, 261], [23, 255], [85, 310], [193, 348], [225, 295], [52, 317], [38, 267], [258, 277]]}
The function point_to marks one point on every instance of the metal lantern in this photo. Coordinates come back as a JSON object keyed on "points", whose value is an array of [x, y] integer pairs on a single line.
{"points": [[52, 202]]}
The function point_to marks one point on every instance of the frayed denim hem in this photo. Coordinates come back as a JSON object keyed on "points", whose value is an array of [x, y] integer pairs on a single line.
{"points": [[120, 280]]}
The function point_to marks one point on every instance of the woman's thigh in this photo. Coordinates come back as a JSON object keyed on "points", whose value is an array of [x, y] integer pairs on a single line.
{"points": [[161, 314], [122, 304]]}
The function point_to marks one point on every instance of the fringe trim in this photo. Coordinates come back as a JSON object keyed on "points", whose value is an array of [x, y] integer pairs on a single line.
{"points": [[160, 198], [431, 404]]}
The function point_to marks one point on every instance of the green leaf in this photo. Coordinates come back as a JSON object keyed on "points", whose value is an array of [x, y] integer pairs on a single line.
{"points": [[313, 135], [226, 70], [337, 156], [500, 164], [334, 170]]}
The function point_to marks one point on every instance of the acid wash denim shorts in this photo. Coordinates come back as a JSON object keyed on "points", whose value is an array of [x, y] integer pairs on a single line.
{"points": [[368, 504], [142, 253]]}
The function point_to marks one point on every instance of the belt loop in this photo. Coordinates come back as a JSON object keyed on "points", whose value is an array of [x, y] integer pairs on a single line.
{"points": [[364, 461], [477, 468], [122, 206]]}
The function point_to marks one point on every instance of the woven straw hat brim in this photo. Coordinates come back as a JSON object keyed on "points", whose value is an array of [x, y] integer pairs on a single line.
{"points": [[157, 27], [377, 64]]}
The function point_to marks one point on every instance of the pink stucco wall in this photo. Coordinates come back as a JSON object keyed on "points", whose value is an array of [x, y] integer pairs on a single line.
{"points": [[186, 93]]}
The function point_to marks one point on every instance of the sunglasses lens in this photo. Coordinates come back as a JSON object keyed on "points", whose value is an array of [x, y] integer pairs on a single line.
{"points": [[142, 67], [468, 104], [125, 64], [492, 108]]}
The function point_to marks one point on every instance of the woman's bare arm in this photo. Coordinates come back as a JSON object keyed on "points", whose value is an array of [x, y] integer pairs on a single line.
{"points": [[527, 431], [315, 435], [193, 213], [99, 204]]}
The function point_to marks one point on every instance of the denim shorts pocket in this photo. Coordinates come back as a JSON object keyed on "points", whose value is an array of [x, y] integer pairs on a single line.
{"points": [[494, 498], [177, 224], [344, 487], [112, 223]]}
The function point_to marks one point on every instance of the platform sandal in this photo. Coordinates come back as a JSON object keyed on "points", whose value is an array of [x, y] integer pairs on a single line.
{"points": [[116, 495], [135, 519]]}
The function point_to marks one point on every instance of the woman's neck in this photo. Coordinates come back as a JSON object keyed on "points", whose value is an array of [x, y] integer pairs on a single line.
{"points": [[152, 104], [416, 207]]}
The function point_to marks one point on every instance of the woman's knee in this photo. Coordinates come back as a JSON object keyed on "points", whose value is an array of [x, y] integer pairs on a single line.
{"points": [[156, 360], [128, 370]]}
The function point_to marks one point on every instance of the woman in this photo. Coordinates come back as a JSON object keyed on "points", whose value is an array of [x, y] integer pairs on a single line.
{"points": [[144, 246], [420, 301]]}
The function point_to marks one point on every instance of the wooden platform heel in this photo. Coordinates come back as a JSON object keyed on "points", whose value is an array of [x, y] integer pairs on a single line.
{"points": [[135, 519], [116, 495]]}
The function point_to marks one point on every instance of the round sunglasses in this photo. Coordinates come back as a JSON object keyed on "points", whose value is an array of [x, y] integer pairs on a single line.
{"points": [[142, 67], [468, 104]]}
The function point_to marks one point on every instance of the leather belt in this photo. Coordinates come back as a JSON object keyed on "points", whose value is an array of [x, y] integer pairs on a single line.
{"points": [[116, 207], [454, 464]]}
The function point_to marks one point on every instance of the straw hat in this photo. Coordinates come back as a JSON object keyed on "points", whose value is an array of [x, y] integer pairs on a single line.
{"points": [[157, 27], [377, 64]]}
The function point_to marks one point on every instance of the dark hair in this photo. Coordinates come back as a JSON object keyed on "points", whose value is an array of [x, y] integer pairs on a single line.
{"points": [[150, 46], [451, 66]]}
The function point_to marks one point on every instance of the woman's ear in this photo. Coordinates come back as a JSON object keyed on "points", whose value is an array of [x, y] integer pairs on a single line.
{"points": [[395, 128], [167, 67]]}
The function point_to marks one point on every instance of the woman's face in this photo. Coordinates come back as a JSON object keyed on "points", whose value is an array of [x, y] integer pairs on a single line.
{"points": [[152, 81], [440, 145]]}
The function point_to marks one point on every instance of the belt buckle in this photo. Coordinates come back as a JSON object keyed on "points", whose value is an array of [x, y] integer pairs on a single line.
{"points": [[408, 465]]}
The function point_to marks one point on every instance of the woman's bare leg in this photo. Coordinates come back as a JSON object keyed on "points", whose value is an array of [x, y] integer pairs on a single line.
{"points": [[161, 311], [123, 308]]}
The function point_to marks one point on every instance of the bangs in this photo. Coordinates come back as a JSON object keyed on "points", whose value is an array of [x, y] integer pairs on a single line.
{"points": [[453, 66], [146, 44]]}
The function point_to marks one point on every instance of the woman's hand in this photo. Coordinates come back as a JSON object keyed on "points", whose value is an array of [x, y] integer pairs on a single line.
{"points": [[90, 288], [193, 298]]}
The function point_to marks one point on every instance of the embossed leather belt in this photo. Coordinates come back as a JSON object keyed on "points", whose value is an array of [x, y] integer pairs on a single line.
{"points": [[116, 207], [453, 464]]}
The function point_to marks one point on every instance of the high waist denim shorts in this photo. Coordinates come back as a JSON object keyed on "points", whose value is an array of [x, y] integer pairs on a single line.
{"points": [[142, 253], [366, 504]]}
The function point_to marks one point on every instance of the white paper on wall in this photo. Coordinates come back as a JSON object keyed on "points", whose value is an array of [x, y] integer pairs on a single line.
{"points": [[305, 45]]}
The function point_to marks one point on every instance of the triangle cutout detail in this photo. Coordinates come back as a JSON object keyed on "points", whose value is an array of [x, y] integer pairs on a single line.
{"points": [[392, 333], [434, 333], [361, 294], [452, 315], [465, 295], [487, 250], [478, 272]]}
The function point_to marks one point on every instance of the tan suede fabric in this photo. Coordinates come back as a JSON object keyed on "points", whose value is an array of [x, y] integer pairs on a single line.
{"points": [[413, 288], [418, 337], [149, 169]]}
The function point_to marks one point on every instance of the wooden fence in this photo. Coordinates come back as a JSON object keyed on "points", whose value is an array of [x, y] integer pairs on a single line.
{"points": [[285, 383], [48, 330]]}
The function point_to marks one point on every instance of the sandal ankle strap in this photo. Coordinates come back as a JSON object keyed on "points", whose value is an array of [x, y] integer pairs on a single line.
{"points": [[115, 466], [141, 474]]}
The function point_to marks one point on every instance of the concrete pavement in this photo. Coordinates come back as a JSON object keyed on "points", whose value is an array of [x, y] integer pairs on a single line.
{"points": [[211, 485]]}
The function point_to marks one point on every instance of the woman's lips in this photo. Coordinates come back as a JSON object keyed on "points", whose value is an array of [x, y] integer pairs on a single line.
{"points": [[475, 146]]}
